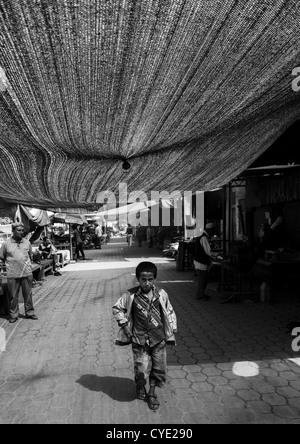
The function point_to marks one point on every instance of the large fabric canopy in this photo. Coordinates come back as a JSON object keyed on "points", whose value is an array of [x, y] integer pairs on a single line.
{"points": [[189, 92]]}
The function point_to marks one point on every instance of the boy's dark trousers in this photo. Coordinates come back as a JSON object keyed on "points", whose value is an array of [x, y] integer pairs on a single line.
{"points": [[150, 362]]}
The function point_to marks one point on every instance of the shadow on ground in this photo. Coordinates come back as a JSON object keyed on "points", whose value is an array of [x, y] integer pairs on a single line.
{"points": [[119, 389]]}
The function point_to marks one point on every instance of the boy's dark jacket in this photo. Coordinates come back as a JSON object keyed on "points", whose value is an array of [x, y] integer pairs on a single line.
{"points": [[122, 310]]}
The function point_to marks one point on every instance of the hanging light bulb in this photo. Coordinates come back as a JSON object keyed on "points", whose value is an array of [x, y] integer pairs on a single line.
{"points": [[126, 165]]}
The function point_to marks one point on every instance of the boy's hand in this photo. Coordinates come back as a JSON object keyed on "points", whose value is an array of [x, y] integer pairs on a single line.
{"points": [[127, 331]]}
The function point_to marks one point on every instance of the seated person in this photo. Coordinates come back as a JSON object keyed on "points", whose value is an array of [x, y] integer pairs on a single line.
{"points": [[48, 251]]}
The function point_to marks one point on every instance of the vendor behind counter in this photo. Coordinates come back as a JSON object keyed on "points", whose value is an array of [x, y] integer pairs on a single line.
{"points": [[274, 237]]}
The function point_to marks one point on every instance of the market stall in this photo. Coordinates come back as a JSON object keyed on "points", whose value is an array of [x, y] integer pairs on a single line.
{"points": [[67, 219]]}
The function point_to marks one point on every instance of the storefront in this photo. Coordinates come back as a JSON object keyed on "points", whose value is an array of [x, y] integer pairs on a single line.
{"points": [[262, 224]]}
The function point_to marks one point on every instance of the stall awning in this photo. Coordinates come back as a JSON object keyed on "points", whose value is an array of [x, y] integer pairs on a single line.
{"points": [[65, 218]]}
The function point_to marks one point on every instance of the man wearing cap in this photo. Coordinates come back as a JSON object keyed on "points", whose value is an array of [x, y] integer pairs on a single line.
{"points": [[202, 260], [16, 253]]}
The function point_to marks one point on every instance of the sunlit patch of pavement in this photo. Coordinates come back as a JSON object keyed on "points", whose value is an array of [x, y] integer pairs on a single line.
{"points": [[111, 265]]}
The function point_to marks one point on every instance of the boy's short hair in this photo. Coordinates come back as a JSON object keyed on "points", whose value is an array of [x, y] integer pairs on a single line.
{"points": [[148, 267]]}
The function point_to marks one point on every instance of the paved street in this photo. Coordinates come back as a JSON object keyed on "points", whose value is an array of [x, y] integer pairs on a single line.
{"points": [[233, 363]]}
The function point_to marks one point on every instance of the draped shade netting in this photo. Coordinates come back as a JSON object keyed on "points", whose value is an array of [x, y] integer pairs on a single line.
{"points": [[190, 92]]}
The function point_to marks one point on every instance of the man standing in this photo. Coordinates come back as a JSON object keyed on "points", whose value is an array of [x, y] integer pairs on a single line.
{"points": [[129, 233], [203, 260], [79, 243], [140, 234], [16, 253], [98, 233], [150, 236]]}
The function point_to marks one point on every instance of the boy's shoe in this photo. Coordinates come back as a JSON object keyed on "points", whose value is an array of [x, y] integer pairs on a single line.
{"points": [[33, 317], [12, 320], [141, 392], [153, 403]]}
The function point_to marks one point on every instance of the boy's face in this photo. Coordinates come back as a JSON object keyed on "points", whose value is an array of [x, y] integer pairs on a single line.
{"points": [[146, 281]]}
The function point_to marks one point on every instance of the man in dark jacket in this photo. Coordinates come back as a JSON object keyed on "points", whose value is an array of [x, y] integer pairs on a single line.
{"points": [[79, 243], [203, 259]]}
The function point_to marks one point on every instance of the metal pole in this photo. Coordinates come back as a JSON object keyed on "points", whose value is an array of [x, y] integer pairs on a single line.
{"points": [[71, 248], [224, 220], [229, 213]]}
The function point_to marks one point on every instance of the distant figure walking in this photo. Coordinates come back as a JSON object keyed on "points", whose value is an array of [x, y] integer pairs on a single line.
{"points": [[99, 234], [150, 236], [78, 243], [140, 235], [129, 233]]}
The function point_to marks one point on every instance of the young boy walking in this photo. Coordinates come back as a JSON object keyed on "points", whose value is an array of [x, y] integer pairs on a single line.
{"points": [[148, 322]]}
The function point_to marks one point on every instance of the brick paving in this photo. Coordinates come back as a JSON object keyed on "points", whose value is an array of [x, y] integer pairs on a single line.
{"points": [[233, 363]]}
